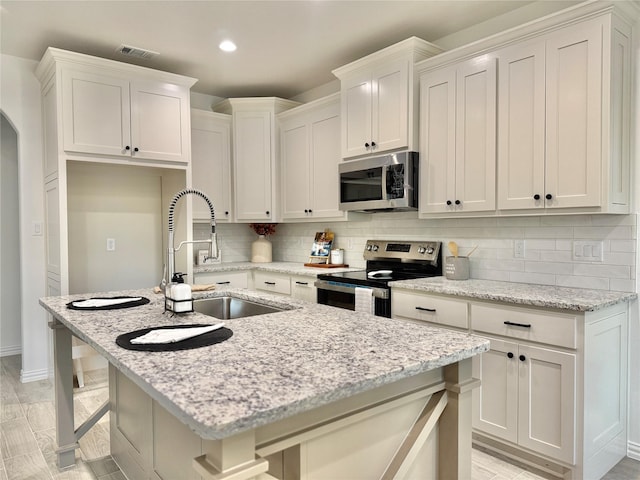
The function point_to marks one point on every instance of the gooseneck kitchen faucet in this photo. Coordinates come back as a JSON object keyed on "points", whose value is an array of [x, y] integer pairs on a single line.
{"points": [[170, 268]]}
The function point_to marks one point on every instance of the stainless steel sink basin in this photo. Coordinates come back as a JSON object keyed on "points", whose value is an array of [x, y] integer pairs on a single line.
{"points": [[226, 308]]}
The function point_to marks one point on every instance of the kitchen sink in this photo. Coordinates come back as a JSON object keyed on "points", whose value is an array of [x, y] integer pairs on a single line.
{"points": [[226, 308]]}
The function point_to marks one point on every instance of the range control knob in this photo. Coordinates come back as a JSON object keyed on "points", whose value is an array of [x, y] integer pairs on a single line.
{"points": [[421, 250], [430, 250], [368, 247], [375, 248]]}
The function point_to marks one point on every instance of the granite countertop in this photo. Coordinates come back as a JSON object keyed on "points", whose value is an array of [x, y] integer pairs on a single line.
{"points": [[274, 366], [548, 296], [288, 268]]}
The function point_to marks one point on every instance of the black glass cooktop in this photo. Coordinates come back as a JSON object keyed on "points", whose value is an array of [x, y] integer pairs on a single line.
{"points": [[361, 277]]}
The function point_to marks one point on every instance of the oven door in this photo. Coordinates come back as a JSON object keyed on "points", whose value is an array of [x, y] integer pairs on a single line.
{"points": [[343, 295]]}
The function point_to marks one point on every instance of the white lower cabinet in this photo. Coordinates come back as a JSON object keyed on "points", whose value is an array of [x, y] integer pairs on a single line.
{"points": [[297, 286], [303, 288], [553, 388], [226, 279], [435, 309], [272, 282], [528, 397]]}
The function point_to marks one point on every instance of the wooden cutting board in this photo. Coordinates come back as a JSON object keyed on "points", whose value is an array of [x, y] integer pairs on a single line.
{"points": [[327, 265]]}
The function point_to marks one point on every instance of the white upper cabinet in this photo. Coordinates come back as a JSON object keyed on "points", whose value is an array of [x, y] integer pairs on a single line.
{"points": [[120, 111], [255, 145], [458, 138], [379, 105], [563, 131], [310, 154], [211, 163], [563, 119]]}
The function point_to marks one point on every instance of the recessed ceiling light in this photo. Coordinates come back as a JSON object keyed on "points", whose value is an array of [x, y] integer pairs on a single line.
{"points": [[227, 46]]}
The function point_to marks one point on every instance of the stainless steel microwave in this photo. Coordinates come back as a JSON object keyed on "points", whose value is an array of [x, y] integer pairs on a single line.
{"points": [[387, 182]]}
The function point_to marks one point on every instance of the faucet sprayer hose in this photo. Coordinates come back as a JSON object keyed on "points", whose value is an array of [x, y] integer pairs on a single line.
{"points": [[192, 191]]}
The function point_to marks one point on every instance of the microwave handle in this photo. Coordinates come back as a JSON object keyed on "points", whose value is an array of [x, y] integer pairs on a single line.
{"points": [[385, 172]]}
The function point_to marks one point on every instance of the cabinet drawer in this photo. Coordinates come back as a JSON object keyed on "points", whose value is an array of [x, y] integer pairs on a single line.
{"points": [[430, 308], [224, 279], [303, 288], [525, 323], [271, 282]]}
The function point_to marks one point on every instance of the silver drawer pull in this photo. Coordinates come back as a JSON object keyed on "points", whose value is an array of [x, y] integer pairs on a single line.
{"points": [[513, 324], [426, 309]]}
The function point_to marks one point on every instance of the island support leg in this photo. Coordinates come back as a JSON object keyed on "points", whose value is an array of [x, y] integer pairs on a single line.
{"points": [[454, 461], [233, 458], [63, 386]]}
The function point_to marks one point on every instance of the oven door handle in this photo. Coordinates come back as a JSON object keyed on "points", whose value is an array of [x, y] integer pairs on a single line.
{"points": [[350, 288]]}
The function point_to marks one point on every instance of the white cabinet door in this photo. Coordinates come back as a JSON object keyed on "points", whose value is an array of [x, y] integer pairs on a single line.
{"points": [[458, 138], [495, 403], [574, 116], [547, 402], [437, 141], [211, 163], [521, 126], [160, 122], [476, 135], [296, 174], [356, 114], [96, 113], [390, 109], [324, 190], [252, 165]]}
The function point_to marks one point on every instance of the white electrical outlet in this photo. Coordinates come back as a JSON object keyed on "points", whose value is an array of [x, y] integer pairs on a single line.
{"points": [[518, 248], [37, 229], [588, 250], [111, 244]]}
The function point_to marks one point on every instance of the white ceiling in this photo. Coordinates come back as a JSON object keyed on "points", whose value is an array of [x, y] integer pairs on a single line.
{"points": [[284, 47]]}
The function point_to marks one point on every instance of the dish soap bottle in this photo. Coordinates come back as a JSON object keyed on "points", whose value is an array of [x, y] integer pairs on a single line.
{"points": [[180, 293]]}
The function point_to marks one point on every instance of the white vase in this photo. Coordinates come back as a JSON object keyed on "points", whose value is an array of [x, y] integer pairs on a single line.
{"points": [[261, 250]]}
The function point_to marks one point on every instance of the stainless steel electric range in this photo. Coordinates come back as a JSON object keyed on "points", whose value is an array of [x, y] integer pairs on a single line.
{"points": [[387, 261]]}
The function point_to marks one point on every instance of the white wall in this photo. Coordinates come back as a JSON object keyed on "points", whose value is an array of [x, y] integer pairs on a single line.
{"points": [[122, 203], [10, 338], [20, 102]]}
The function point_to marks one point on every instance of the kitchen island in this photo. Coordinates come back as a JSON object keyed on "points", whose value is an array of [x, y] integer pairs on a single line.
{"points": [[308, 392]]}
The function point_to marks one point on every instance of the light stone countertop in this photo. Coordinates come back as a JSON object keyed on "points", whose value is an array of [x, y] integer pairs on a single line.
{"points": [[547, 296], [288, 268], [274, 366]]}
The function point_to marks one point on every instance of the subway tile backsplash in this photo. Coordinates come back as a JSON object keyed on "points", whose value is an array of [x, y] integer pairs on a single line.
{"points": [[548, 257]]}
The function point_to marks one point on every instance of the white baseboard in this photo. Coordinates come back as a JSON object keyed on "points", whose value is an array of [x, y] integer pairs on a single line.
{"points": [[12, 350], [633, 450], [34, 375]]}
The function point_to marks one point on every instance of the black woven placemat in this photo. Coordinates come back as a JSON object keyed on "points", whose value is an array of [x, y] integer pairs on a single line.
{"points": [[133, 303], [204, 340]]}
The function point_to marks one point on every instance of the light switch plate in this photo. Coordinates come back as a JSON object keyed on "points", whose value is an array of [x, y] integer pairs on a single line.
{"points": [[518, 248], [111, 244], [587, 251]]}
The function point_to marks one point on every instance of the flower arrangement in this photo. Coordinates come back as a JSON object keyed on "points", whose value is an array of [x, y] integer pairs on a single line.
{"points": [[263, 228]]}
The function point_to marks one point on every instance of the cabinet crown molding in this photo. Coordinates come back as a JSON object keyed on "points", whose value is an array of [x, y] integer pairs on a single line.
{"points": [[626, 10], [414, 48], [54, 56], [332, 99], [254, 104]]}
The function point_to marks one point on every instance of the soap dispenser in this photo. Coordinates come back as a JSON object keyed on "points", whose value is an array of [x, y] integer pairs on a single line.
{"points": [[180, 294]]}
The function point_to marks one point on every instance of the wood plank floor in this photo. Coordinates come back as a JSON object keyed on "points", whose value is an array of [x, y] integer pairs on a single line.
{"points": [[27, 435]]}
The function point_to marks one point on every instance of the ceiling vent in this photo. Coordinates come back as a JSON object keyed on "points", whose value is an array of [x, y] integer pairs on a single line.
{"points": [[136, 52]]}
